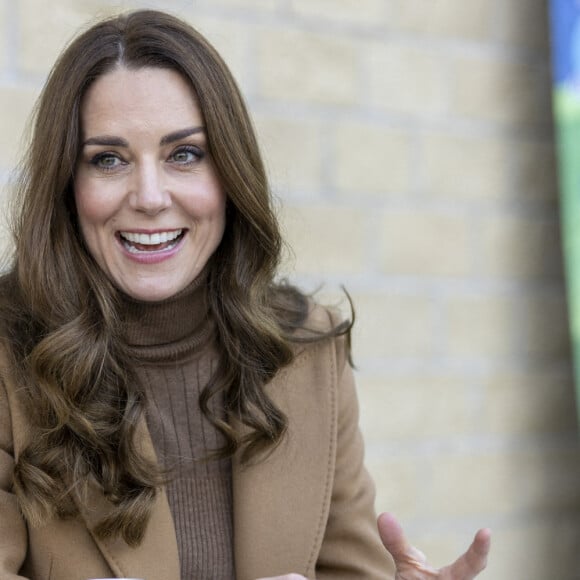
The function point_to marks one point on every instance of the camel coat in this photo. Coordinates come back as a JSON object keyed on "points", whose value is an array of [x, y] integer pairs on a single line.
{"points": [[307, 508]]}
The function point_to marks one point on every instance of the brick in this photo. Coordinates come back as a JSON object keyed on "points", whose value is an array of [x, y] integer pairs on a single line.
{"points": [[325, 239], [3, 34], [535, 174], [493, 169], [419, 408], [445, 18], [496, 91], [503, 483], [292, 151], [485, 171], [258, 6], [46, 27], [424, 243], [372, 160], [537, 549], [231, 40], [547, 333], [521, 248], [529, 403], [398, 483], [358, 12], [523, 24], [408, 79], [392, 325], [16, 105], [307, 67], [481, 326]]}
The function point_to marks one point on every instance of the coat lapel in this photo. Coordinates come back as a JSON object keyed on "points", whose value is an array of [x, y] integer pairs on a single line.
{"points": [[281, 502], [156, 558]]}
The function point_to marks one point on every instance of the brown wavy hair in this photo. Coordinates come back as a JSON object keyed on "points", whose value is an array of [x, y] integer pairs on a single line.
{"points": [[60, 318]]}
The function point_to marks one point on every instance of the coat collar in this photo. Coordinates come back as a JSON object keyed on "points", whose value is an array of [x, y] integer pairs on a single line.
{"points": [[280, 502], [157, 556]]}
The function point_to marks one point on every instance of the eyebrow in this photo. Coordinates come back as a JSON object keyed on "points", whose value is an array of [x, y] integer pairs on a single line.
{"points": [[181, 134], [111, 141], [107, 141]]}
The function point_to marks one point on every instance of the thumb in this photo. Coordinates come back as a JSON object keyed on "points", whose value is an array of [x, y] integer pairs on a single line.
{"points": [[394, 540]]}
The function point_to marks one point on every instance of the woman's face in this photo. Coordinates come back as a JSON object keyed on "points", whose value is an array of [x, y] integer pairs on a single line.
{"points": [[150, 206]]}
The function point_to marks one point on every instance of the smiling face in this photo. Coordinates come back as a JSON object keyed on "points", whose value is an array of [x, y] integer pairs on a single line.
{"points": [[150, 206]]}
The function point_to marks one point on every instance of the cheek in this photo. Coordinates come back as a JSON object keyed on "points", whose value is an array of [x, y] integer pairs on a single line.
{"points": [[91, 216], [92, 206], [209, 205], [83, 199], [220, 210], [85, 211]]}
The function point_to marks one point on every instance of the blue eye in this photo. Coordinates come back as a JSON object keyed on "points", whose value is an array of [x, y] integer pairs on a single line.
{"points": [[187, 155], [106, 161]]}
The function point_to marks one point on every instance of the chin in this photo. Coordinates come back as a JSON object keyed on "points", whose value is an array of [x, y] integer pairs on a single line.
{"points": [[155, 294]]}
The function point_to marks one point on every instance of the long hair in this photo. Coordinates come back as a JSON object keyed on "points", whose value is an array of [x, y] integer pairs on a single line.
{"points": [[60, 311]]}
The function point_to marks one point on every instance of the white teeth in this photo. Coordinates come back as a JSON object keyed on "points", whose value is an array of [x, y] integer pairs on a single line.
{"points": [[151, 239]]}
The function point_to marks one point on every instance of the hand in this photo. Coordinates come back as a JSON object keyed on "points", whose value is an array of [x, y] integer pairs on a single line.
{"points": [[411, 564]]}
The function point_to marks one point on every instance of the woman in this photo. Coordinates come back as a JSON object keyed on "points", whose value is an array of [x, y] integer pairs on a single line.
{"points": [[167, 409]]}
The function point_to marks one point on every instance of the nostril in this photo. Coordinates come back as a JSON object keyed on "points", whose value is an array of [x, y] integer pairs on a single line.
{"points": [[150, 200]]}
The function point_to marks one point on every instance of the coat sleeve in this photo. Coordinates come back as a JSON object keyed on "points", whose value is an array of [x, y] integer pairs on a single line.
{"points": [[13, 532], [351, 547]]}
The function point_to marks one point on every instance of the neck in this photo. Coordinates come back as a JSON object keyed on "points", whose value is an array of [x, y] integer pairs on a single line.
{"points": [[171, 327]]}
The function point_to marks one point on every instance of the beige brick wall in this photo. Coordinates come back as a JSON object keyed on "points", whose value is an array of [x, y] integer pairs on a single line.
{"points": [[444, 19], [324, 70], [410, 143]]}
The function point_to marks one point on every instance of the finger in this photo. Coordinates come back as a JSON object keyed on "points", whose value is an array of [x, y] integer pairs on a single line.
{"points": [[474, 560], [394, 540], [392, 535]]}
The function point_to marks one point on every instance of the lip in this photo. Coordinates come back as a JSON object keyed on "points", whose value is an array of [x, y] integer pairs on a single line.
{"points": [[149, 231], [153, 257]]}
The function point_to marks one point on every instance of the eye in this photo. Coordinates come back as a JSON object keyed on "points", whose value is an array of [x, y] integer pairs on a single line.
{"points": [[186, 155], [107, 161]]}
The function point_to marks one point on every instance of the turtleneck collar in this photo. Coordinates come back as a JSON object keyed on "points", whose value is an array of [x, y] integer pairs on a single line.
{"points": [[170, 328]]}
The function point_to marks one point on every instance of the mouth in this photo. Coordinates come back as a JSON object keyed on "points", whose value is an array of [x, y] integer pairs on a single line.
{"points": [[140, 243]]}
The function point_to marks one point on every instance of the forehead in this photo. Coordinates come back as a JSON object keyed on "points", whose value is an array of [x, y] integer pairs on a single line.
{"points": [[124, 98]]}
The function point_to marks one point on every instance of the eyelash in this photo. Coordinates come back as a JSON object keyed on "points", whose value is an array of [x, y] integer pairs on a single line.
{"points": [[100, 157], [196, 152]]}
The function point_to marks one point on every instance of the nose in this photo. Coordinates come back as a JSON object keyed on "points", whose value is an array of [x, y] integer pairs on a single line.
{"points": [[149, 193]]}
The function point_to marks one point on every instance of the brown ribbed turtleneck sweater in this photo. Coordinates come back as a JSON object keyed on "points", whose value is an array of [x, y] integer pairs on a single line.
{"points": [[173, 345]]}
